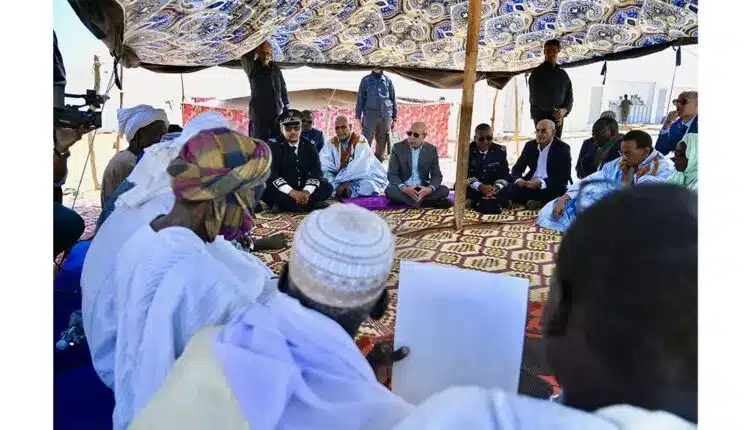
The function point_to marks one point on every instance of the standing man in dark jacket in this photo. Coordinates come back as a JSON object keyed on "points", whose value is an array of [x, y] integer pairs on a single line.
{"points": [[488, 172], [550, 89], [296, 182], [268, 96], [376, 109], [548, 161]]}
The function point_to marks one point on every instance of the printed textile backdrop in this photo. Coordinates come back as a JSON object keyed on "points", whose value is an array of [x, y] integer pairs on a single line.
{"points": [[403, 33], [435, 115]]}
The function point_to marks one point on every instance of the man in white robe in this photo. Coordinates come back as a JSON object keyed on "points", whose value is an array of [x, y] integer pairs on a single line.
{"points": [[167, 284], [151, 196], [291, 362], [349, 165]]}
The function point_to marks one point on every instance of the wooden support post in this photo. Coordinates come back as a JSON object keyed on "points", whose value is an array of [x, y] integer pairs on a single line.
{"points": [[517, 116], [467, 108], [122, 99], [494, 108], [92, 152]]}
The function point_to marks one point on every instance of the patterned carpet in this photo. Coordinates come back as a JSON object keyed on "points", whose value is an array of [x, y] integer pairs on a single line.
{"points": [[508, 243]]}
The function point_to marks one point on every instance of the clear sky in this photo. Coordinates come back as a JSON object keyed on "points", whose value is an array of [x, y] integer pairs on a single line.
{"points": [[78, 46]]}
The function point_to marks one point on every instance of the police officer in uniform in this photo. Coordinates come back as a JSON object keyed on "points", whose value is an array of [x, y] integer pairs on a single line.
{"points": [[296, 183], [488, 172]]}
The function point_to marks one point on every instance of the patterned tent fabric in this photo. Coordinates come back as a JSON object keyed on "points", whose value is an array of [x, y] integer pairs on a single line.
{"points": [[427, 34]]}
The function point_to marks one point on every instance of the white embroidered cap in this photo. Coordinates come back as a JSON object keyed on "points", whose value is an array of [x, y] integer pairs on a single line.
{"points": [[342, 256]]}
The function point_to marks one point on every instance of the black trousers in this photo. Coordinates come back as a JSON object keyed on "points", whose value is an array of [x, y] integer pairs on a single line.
{"points": [[517, 194], [286, 203], [537, 116], [264, 128], [396, 195], [68, 228], [493, 205]]}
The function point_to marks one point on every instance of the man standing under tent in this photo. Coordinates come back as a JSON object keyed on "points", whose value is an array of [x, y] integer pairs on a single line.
{"points": [[680, 122], [142, 126], [348, 164], [311, 133], [296, 183], [376, 109], [625, 110], [268, 96], [550, 89]]}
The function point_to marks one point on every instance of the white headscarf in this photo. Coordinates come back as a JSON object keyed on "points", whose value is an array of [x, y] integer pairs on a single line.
{"points": [[150, 174], [133, 119]]}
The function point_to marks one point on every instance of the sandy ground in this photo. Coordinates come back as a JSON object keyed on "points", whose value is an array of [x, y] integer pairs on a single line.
{"points": [[79, 168]]}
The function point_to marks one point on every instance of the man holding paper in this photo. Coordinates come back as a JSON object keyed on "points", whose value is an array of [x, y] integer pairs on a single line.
{"points": [[291, 361], [626, 355]]}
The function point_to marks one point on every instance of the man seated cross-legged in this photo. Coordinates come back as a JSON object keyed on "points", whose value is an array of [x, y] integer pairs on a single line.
{"points": [[488, 172], [349, 165], [542, 172], [414, 176], [639, 164], [296, 183], [291, 361]]}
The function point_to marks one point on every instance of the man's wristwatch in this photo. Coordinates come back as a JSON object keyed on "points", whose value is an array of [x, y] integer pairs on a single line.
{"points": [[62, 155]]}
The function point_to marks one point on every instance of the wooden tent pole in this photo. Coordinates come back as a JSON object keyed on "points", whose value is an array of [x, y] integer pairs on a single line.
{"points": [[122, 99], [494, 108], [467, 108], [515, 106], [92, 153]]}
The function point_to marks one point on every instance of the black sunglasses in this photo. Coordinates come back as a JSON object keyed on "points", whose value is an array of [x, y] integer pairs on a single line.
{"points": [[291, 127], [484, 139], [414, 134], [680, 102]]}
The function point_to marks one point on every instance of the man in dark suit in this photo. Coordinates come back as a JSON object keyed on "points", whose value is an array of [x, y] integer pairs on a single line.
{"points": [[488, 172], [679, 122], [601, 148], [296, 183], [268, 95], [414, 174], [548, 161], [550, 89]]}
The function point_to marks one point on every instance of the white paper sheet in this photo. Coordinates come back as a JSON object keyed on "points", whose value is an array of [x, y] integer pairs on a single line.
{"points": [[463, 327]]}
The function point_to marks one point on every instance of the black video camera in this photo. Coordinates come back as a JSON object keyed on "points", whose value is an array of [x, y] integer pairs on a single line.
{"points": [[71, 116]]}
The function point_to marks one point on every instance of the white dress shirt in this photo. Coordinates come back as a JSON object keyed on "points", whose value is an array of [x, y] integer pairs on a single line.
{"points": [[541, 166]]}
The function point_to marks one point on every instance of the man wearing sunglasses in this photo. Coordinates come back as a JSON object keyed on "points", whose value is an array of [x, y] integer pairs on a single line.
{"points": [[296, 183], [414, 176], [679, 122], [488, 172], [311, 133]]}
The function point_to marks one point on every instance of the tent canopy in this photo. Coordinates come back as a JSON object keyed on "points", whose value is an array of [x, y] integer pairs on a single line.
{"points": [[420, 39]]}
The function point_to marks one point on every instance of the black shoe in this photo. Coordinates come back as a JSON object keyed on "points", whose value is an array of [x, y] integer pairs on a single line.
{"points": [[258, 208], [320, 205], [534, 205], [438, 204]]}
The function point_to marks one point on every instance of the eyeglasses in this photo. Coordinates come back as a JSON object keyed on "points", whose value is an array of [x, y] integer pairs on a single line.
{"points": [[683, 102], [341, 127], [291, 127], [484, 139], [414, 134]]}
